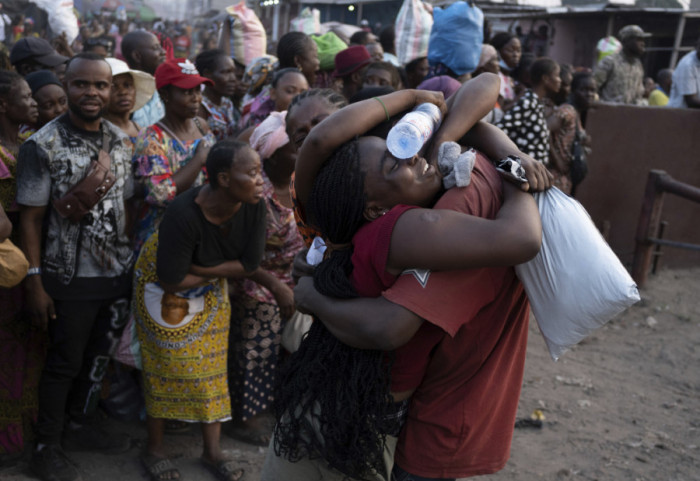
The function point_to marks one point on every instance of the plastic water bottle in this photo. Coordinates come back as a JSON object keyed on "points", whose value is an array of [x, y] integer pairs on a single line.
{"points": [[409, 135]]}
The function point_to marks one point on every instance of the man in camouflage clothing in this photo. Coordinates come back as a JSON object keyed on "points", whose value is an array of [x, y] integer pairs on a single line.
{"points": [[620, 75]]}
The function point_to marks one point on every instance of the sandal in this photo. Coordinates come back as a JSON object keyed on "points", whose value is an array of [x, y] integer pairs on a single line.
{"points": [[256, 437], [225, 470], [159, 469]]}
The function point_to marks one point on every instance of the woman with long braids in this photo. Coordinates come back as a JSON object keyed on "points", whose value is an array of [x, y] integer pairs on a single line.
{"points": [[334, 400]]}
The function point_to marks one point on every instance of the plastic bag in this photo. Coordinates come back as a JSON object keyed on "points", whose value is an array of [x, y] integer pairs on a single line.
{"points": [[576, 283], [329, 44], [248, 38], [456, 37], [61, 17], [413, 24], [308, 21], [128, 350]]}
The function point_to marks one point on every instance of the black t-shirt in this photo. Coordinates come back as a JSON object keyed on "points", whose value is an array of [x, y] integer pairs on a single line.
{"points": [[186, 237]]}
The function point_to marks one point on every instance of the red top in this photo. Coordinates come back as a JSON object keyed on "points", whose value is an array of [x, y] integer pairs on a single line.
{"points": [[369, 277], [462, 415]]}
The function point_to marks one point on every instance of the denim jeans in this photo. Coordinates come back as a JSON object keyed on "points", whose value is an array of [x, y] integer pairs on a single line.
{"points": [[399, 474]]}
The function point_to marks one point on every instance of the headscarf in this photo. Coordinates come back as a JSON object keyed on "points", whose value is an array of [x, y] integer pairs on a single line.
{"points": [[270, 135], [442, 83]]}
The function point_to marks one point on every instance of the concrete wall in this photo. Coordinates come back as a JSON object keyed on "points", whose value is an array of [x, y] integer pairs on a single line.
{"points": [[627, 143]]}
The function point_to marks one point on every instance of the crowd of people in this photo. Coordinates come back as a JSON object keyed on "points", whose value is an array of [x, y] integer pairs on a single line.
{"points": [[163, 193]]}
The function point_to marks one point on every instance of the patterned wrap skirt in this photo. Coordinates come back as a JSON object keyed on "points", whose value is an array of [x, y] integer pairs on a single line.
{"points": [[184, 362]]}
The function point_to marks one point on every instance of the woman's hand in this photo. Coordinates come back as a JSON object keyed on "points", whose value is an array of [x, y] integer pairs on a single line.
{"points": [[304, 293], [436, 98], [538, 177], [285, 299]]}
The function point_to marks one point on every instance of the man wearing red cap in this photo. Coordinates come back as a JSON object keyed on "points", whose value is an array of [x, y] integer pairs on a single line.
{"points": [[350, 65], [79, 279]]}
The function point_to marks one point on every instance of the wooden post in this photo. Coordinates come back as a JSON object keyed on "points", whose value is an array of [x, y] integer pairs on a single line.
{"points": [[677, 41], [648, 226]]}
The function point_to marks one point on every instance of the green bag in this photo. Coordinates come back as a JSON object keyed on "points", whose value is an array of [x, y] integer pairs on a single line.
{"points": [[328, 45]]}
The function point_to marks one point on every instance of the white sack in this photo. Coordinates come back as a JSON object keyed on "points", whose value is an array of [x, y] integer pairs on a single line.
{"points": [[576, 283]]}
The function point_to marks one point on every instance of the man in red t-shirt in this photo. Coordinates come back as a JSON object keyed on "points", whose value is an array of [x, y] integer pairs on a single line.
{"points": [[462, 415]]}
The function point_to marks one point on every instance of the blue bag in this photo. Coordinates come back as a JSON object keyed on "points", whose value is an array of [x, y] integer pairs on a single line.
{"points": [[456, 37]]}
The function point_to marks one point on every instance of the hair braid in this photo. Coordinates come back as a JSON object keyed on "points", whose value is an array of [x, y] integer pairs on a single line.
{"points": [[332, 399], [331, 96]]}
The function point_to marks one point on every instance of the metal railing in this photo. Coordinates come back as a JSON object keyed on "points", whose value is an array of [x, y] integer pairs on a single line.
{"points": [[650, 226]]}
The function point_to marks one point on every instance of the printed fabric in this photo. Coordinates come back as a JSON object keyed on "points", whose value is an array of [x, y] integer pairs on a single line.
{"points": [[51, 162], [8, 175], [222, 118], [526, 126], [184, 364], [620, 79], [256, 322], [157, 156]]}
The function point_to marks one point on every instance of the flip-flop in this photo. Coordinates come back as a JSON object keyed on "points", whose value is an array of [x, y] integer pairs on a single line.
{"points": [[226, 470], [256, 437], [157, 467]]}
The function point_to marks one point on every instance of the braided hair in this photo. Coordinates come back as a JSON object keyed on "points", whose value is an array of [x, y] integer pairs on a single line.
{"points": [[332, 399], [289, 46], [8, 78], [331, 96]]}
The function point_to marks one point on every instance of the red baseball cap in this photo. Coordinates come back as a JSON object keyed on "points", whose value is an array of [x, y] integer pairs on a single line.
{"points": [[351, 60], [179, 72]]}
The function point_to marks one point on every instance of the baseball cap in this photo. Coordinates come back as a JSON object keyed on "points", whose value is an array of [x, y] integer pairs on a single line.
{"points": [[36, 49], [351, 60], [144, 83], [179, 72], [632, 31]]}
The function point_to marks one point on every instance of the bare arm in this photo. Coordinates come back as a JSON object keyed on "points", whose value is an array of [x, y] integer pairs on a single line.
{"points": [[198, 275], [495, 144], [40, 305], [452, 240], [355, 119], [474, 99], [363, 323], [185, 177]]}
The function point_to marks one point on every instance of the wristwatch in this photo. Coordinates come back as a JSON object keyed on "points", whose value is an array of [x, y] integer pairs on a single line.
{"points": [[34, 271]]}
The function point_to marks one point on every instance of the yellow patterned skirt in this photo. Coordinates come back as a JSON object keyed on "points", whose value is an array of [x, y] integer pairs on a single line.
{"points": [[184, 360]]}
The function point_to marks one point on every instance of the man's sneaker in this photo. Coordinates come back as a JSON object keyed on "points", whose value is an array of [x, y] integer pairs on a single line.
{"points": [[88, 437], [52, 464]]}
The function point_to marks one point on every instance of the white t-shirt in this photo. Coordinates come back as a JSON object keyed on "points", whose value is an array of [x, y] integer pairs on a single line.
{"points": [[686, 80], [5, 21]]}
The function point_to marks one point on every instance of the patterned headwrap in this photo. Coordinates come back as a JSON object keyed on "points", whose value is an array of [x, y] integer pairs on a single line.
{"points": [[259, 72], [270, 135]]}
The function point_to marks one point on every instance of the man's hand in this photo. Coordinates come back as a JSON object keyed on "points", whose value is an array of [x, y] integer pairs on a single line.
{"points": [[39, 304]]}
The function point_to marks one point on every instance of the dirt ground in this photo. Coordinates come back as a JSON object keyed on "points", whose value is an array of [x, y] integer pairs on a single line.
{"points": [[624, 405]]}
